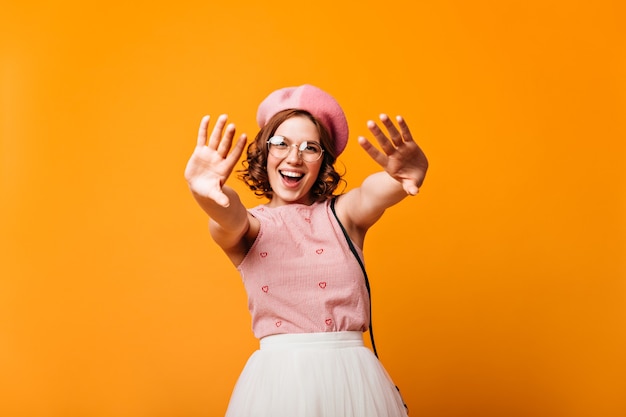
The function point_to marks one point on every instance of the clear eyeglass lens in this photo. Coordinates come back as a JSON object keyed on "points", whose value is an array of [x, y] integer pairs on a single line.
{"points": [[280, 147]]}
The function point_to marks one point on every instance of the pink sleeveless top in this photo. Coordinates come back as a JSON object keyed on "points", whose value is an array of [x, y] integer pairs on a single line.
{"points": [[300, 275]]}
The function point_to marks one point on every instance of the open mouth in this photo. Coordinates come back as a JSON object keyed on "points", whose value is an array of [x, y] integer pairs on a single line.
{"points": [[291, 177]]}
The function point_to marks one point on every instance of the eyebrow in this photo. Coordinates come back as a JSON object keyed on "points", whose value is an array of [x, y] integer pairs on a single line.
{"points": [[291, 140]]}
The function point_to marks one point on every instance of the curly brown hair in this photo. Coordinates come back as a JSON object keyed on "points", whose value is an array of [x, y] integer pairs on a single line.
{"points": [[255, 175]]}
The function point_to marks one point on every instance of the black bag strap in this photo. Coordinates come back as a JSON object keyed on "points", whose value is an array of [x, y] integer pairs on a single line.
{"points": [[358, 258], [367, 285]]}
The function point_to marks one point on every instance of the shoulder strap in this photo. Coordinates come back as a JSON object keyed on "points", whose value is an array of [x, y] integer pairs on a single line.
{"points": [[367, 284], [358, 258]]}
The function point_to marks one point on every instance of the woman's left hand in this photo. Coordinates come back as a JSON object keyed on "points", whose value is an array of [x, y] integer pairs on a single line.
{"points": [[401, 158]]}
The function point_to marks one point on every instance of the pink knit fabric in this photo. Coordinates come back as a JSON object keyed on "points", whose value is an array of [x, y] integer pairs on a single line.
{"points": [[300, 275], [312, 99]]}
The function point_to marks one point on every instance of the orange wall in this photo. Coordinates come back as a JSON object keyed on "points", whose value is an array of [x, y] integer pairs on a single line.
{"points": [[498, 291]]}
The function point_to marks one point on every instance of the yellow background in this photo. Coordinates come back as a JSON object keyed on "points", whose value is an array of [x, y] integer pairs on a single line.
{"points": [[498, 291]]}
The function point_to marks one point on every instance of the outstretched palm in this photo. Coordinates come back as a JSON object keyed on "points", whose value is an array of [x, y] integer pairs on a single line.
{"points": [[213, 161], [401, 158]]}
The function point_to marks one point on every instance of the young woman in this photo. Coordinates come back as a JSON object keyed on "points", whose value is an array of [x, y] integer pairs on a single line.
{"points": [[307, 294]]}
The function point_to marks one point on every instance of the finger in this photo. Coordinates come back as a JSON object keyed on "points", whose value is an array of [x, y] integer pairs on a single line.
{"points": [[227, 140], [372, 151], [235, 154], [220, 198], [394, 134], [404, 129], [380, 137], [204, 123], [410, 187], [215, 193], [216, 134]]}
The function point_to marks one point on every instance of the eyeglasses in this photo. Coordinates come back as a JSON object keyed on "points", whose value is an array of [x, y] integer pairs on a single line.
{"points": [[280, 147]]}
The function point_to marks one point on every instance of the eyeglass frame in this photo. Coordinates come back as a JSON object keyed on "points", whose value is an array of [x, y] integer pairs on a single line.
{"points": [[299, 148]]}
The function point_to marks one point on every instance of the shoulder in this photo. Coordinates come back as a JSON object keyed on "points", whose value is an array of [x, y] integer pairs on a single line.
{"points": [[344, 206], [237, 251]]}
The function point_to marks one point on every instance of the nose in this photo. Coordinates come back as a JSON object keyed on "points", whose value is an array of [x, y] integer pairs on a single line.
{"points": [[295, 154]]}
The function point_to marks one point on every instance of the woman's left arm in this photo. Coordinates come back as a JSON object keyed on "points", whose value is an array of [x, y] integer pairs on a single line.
{"points": [[404, 168]]}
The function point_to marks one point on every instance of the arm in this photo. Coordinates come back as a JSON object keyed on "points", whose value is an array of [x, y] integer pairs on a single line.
{"points": [[404, 168], [207, 170]]}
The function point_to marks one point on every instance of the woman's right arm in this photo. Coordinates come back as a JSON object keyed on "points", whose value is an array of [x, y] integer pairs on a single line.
{"points": [[207, 170]]}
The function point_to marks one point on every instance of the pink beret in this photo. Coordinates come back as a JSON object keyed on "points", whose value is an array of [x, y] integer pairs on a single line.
{"points": [[317, 102]]}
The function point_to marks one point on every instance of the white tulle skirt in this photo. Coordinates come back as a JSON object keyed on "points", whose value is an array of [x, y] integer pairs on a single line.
{"points": [[314, 375]]}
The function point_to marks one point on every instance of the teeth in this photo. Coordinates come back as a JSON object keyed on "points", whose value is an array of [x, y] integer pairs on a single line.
{"points": [[292, 174]]}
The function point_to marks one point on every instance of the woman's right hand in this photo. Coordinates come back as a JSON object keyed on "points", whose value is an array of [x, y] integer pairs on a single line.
{"points": [[213, 161]]}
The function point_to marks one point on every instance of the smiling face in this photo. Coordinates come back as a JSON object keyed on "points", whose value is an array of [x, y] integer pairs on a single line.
{"points": [[255, 173], [290, 177]]}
